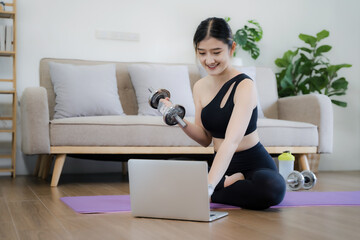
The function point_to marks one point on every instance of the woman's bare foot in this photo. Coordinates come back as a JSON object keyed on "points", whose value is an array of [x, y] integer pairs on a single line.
{"points": [[233, 178]]}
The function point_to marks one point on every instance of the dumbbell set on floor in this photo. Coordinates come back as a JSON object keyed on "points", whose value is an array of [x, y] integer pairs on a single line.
{"points": [[172, 115], [305, 180], [295, 180]]}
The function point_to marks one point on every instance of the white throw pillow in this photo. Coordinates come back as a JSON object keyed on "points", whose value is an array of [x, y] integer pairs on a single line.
{"points": [[85, 90], [250, 71], [174, 78]]}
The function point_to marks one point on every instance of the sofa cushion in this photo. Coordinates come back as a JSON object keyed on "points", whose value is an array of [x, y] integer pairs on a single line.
{"points": [[273, 132], [151, 131], [131, 130], [85, 90], [174, 78]]}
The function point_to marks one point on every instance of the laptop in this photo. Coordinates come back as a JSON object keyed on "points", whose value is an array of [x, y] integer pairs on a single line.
{"points": [[170, 189]]}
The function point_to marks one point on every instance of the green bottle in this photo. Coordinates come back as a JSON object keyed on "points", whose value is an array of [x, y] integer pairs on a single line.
{"points": [[286, 164], [286, 156]]}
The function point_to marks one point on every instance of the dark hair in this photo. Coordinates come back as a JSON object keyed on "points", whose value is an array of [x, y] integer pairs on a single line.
{"points": [[213, 27]]}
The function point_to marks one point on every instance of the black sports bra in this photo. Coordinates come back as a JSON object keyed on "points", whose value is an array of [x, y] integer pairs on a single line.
{"points": [[216, 119]]}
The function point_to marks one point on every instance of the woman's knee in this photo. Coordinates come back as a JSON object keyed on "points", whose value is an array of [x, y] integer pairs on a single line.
{"points": [[272, 184]]}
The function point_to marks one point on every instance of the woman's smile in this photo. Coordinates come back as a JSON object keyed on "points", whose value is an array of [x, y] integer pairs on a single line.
{"points": [[212, 66]]}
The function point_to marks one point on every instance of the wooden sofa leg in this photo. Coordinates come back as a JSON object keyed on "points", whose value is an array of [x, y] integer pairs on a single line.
{"points": [[37, 166], [124, 168], [42, 159], [304, 163], [59, 163], [46, 171]]}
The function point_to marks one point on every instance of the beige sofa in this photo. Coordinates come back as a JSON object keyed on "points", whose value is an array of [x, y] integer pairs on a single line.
{"points": [[302, 124]]}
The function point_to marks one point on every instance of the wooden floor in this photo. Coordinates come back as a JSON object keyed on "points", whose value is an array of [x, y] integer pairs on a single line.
{"points": [[30, 209]]}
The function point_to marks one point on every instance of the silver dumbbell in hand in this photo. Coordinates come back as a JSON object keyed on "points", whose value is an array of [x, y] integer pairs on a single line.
{"points": [[172, 115], [296, 180]]}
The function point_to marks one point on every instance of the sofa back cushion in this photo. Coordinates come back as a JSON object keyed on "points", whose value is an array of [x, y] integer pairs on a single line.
{"points": [[265, 78], [125, 88]]}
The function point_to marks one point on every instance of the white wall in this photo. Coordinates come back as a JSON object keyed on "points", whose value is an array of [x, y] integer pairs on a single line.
{"points": [[66, 29]]}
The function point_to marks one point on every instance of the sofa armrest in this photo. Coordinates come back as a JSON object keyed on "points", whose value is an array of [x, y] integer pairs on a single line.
{"points": [[35, 138], [313, 108]]}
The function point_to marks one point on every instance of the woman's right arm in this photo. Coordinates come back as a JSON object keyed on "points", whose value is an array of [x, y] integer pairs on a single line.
{"points": [[196, 130]]}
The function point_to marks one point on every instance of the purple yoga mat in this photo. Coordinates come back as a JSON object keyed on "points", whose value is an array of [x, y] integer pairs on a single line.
{"points": [[121, 203]]}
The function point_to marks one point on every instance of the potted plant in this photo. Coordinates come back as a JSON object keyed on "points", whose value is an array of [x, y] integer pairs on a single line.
{"points": [[307, 70], [247, 38]]}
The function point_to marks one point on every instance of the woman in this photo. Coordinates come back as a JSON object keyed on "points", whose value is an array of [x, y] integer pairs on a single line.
{"points": [[242, 172]]}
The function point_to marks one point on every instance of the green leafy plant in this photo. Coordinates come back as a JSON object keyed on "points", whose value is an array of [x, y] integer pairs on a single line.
{"points": [[307, 70], [247, 37]]}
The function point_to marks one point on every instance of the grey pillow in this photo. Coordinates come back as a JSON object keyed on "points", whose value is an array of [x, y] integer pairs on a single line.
{"points": [[174, 78], [85, 90]]}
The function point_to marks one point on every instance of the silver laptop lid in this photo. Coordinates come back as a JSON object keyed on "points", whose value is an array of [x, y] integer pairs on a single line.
{"points": [[169, 189]]}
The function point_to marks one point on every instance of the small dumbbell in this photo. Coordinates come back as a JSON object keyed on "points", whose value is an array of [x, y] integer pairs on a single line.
{"points": [[296, 180], [171, 115]]}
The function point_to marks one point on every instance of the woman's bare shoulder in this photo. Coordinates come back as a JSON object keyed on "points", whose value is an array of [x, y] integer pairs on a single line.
{"points": [[201, 84]]}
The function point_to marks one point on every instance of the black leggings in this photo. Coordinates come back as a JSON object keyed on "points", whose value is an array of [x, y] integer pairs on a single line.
{"points": [[263, 186]]}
